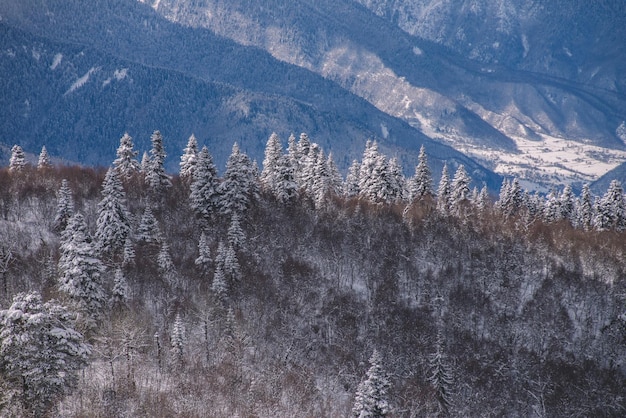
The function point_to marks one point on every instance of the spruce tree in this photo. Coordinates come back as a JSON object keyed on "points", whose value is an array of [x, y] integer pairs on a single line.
{"points": [[204, 260], [189, 159], [585, 209], [567, 204], [178, 339], [156, 178], [273, 152], [459, 191], [80, 270], [421, 185], [17, 162], [219, 286], [148, 231], [371, 395], [611, 209], [369, 170], [443, 192], [121, 291], [236, 236], [441, 378], [334, 176], [113, 225], [351, 188], [41, 355], [239, 186], [65, 207], [44, 159], [126, 164], [204, 189], [286, 188]]}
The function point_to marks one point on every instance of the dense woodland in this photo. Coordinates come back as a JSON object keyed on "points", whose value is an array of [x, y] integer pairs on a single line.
{"points": [[291, 291]]}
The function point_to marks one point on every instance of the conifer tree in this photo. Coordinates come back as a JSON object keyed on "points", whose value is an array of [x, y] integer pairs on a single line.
{"points": [[128, 253], [178, 339], [41, 355], [273, 152], [236, 236], [17, 162], [148, 230], [443, 192], [567, 205], [219, 286], [156, 178], [286, 187], [145, 163], [121, 291], [126, 164], [204, 260], [397, 181], [371, 395], [113, 225], [585, 209], [368, 179], [226, 260], [351, 188], [459, 190], [334, 176], [80, 270], [204, 187], [164, 260], [239, 186], [441, 377], [44, 159], [189, 159], [482, 203], [65, 206], [421, 185], [611, 209], [552, 207]]}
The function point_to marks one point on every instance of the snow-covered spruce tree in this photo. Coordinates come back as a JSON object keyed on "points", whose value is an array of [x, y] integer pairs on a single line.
{"points": [[397, 181], [121, 291], [584, 209], [177, 340], [236, 236], [189, 159], [145, 163], [286, 187], [552, 207], [510, 201], [156, 178], [482, 202], [17, 162], [126, 164], [164, 260], [308, 165], [148, 230], [335, 179], [204, 260], [351, 186], [204, 186], [239, 186], [371, 395], [441, 377], [321, 180], [128, 253], [40, 356], [80, 270], [65, 207], [273, 152], [443, 192], [459, 191], [113, 225], [226, 260], [611, 209], [44, 159], [567, 205], [368, 179], [219, 286], [421, 184]]}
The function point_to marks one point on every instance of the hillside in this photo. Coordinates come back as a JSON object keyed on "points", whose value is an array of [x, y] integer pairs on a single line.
{"points": [[257, 304]]}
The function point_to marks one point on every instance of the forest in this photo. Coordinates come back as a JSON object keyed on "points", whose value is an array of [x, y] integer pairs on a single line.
{"points": [[289, 290]]}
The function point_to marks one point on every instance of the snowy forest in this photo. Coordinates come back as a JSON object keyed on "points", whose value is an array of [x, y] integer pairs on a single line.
{"points": [[290, 290]]}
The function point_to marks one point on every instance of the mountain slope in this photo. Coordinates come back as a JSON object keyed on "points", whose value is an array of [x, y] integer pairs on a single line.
{"points": [[489, 108], [179, 80]]}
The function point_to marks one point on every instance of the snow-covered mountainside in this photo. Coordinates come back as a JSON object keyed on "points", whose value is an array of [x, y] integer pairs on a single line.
{"points": [[532, 89]]}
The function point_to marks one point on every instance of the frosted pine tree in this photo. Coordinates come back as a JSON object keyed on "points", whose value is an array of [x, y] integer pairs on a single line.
{"points": [[164, 260], [368, 180], [308, 166], [156, 178], [321, 180], [113, 225], [459, 191], [443, 192], [41, 355], [585, 212], [121, 290], [273, 153], [126, 164], [371, 395], [482, 202], [178, 339], [204, 260], [226, 260], [441, 378], [219, 286], [567, 205], [189, 159], [128, 253], [148, 230], [611, 209], [236, 236], [145, 163], [552, 207], [80, 270], [397, 181], [421, 184], [286, 187], [351, 187], [65, 206], [334, 176], [17, 162], [239, 186], [44, 159], [204, 187]]}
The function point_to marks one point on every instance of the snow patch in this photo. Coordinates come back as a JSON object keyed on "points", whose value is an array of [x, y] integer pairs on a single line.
{"points": [[120, 74], [156, 3], [81, 81], [384, 130], [56, 61], [567, 52], [621, 131], [417, 51], [525, 45], [36, 54], [10, 52]]}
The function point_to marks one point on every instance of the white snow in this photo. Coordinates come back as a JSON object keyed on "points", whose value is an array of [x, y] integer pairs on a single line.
{"points": [[384, 130], [120, 74], [417, 51], [81, 81], [56, 61]]}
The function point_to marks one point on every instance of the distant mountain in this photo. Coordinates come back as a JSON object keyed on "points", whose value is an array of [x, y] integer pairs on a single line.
{"points": [[533, 89], [76, 78]]}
